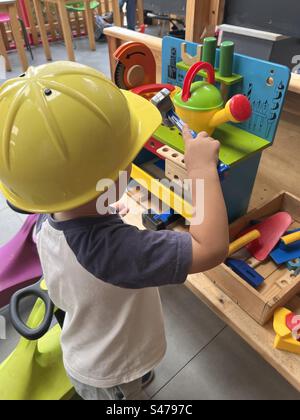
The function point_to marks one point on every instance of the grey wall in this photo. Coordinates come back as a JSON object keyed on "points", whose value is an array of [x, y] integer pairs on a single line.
{"points": [[279, 16], [166, 6]]}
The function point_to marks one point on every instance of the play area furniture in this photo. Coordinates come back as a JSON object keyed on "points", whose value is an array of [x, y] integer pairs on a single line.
{"points": [[64, 20], [9, 8]]}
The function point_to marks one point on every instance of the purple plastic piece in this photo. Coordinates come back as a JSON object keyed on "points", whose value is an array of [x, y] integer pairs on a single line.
{"points": [[19, 262]]}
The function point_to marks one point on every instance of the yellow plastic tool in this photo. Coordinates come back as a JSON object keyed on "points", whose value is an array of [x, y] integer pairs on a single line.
{"points": [[243, 241], [291, 238], [35, 370], [284, 337]]}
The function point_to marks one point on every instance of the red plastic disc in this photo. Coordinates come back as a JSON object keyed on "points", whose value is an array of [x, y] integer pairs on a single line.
{"points": [[240, 108]]}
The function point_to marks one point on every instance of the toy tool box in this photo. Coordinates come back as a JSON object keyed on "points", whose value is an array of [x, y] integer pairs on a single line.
{"points": [[280, 284], [264, 84]]}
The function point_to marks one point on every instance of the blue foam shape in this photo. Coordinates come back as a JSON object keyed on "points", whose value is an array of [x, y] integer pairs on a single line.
{"points": [[247, 273], [284, 253]]}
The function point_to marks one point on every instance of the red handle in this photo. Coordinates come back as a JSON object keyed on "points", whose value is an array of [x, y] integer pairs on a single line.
{"points": [[192, 73], [155, 88]]}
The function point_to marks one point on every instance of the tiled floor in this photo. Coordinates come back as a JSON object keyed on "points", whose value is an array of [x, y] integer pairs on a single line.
{"points": [[205, 359]]}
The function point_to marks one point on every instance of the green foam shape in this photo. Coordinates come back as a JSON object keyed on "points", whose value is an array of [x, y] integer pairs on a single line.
{"points": [[229, 81], [236, 144]]}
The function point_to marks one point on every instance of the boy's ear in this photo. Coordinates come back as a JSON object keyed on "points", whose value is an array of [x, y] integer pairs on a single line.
{"points": [[16, 209]]}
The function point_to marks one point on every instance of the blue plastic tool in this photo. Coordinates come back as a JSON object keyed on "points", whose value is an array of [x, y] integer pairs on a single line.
{"points": [[284, 253], [154, 221], [247, 273]]}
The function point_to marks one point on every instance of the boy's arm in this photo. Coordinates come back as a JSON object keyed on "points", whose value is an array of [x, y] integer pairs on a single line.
{"points": [[210, 239]]}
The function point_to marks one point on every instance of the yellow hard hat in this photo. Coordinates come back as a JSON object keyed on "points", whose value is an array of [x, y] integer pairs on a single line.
{"points": [[64, 127]]}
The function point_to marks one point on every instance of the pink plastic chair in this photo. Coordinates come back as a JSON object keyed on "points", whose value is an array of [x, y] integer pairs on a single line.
{"points": [[4, 18], [19, 262]]}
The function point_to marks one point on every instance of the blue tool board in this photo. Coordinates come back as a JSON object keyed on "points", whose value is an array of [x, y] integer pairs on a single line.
{"points": [[264, 83]]}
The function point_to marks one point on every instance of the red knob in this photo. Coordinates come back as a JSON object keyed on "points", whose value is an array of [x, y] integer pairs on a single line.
{"points": [[240, 108]]}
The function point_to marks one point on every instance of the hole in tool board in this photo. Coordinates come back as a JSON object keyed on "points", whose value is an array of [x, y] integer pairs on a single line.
{"points": [[175, 155], [270, 81]]}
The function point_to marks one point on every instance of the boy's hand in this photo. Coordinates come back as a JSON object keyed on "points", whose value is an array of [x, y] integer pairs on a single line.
{"points": [[200, 153]]}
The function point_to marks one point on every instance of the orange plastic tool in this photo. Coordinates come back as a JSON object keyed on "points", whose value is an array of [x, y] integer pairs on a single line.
{"points": [[136, 66]]}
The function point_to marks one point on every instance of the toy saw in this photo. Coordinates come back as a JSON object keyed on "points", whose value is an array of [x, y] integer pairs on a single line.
{"points": [[135, 67]]}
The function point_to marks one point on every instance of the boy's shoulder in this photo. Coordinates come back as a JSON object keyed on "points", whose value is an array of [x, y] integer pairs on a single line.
{"points": [[121, 254]]}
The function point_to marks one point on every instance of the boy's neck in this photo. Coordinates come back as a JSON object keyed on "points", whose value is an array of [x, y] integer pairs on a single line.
{"points": [[87, 210]]}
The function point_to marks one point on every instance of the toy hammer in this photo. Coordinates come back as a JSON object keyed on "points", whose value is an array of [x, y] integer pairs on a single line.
{"points": [[164, 104]]}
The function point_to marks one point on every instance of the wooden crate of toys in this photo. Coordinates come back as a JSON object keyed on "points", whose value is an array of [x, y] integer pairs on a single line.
{"points": [[262, 272]]}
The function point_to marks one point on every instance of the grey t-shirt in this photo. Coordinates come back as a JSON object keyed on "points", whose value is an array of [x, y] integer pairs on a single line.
{"points": [[104, 274]]}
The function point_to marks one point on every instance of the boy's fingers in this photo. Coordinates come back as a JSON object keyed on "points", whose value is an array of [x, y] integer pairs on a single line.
{"points": [[186, 133]]}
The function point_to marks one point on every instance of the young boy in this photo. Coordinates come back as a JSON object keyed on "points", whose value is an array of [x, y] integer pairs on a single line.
{"points": [[64, 127]]}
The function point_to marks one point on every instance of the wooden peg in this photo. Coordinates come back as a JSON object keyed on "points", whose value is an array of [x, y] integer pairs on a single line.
{"points": [[188, 58]]}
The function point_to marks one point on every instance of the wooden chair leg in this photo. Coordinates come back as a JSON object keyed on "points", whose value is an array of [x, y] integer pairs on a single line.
{"points": [[4, 53], [50, 20], [58, 23], [4, 36], [66, 30], [43, 32], [77, 24], [32, 24], [140, 12], [89, 15], [17, 37]]}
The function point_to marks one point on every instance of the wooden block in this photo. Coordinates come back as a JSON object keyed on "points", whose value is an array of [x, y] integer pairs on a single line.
{"points": [[175, 172], [172, 155], [188, 58]]}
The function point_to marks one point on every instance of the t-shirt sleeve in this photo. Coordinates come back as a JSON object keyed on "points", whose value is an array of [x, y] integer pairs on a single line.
{"points": [[131, 258]]}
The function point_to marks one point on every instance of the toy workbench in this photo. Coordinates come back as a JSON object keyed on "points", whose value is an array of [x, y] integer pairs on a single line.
{"points": [[264, 84]]}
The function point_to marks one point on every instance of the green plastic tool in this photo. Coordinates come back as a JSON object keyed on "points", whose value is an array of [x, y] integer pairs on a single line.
{"points": [[209, 50]]}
